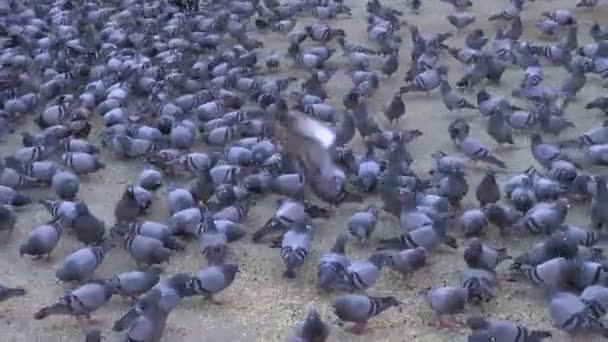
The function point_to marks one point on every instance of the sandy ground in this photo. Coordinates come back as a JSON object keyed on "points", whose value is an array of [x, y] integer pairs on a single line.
{"points": [[261, 304]]}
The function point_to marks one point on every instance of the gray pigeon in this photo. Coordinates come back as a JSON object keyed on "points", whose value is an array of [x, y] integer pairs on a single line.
{"points": [[461, 20], [150, 326], [546, 153], [93, 335], [42, 240], [65, 184], [211, 281], [556, 245], [476, 39], [80, 302], [391, 64], [501, 215], [362, 223], [86, 227], [550, 275], [134, 283], [589, 273], [428, 237], [127, 209], [595, 298], [451, 99], [545, 217], [599, 205], [571, 315], [364, 273], [294, 248], [499, 129], [7, 293], [487, 191], [449, 300], [480, 281], [331, 272], [452, 186], [313, 329], [502, 331], [212, 242], [164, 296], [475, 150], [10, 196], [406, 261], [359, 308], [82, 163], [7, 219], [473, 222], [483, 256], [81, 265], [150, 179], [144, 249], [395, 109]]}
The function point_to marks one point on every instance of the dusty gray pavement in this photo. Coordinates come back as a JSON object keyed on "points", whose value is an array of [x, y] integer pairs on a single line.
{"points": [[262, 305]]}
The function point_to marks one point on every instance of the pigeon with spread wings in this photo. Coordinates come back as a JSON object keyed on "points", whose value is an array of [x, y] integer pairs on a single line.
{"points": [[310, 142]]}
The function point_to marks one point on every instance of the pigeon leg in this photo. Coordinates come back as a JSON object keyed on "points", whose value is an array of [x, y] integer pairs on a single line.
{"points": [[218, 302], [358, 328], [445, 321]]}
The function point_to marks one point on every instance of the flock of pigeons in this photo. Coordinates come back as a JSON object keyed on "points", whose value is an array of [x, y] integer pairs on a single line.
{"points": [[166, 75]]}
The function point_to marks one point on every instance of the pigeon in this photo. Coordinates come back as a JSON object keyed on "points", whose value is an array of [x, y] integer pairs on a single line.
{"points": [[42, 240], [396, 108], [362, 224], [556, 245], [501, 215], [331, 271], [473, 222], [503, 331], [7, 219], [595, 299], [599, 203], [144, 249], [86, 227], [81, 265], [312, 329], [461, 20], [487, 191], [483, 256], [569, 313], [587, 3], [211, 281], [7, 293], [212, 242], [475, 150], [391, 64], [552, 274], [93, 335], [360, 308], [81, 301], [134, 283], [428, 237], [364, 273], [294, 249], [500, 129], [65, 184], [479, 280], [449, 300], [545, 153], [453, 100], [150, 326], [598, 32], [406, 261], [164, 296]]}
